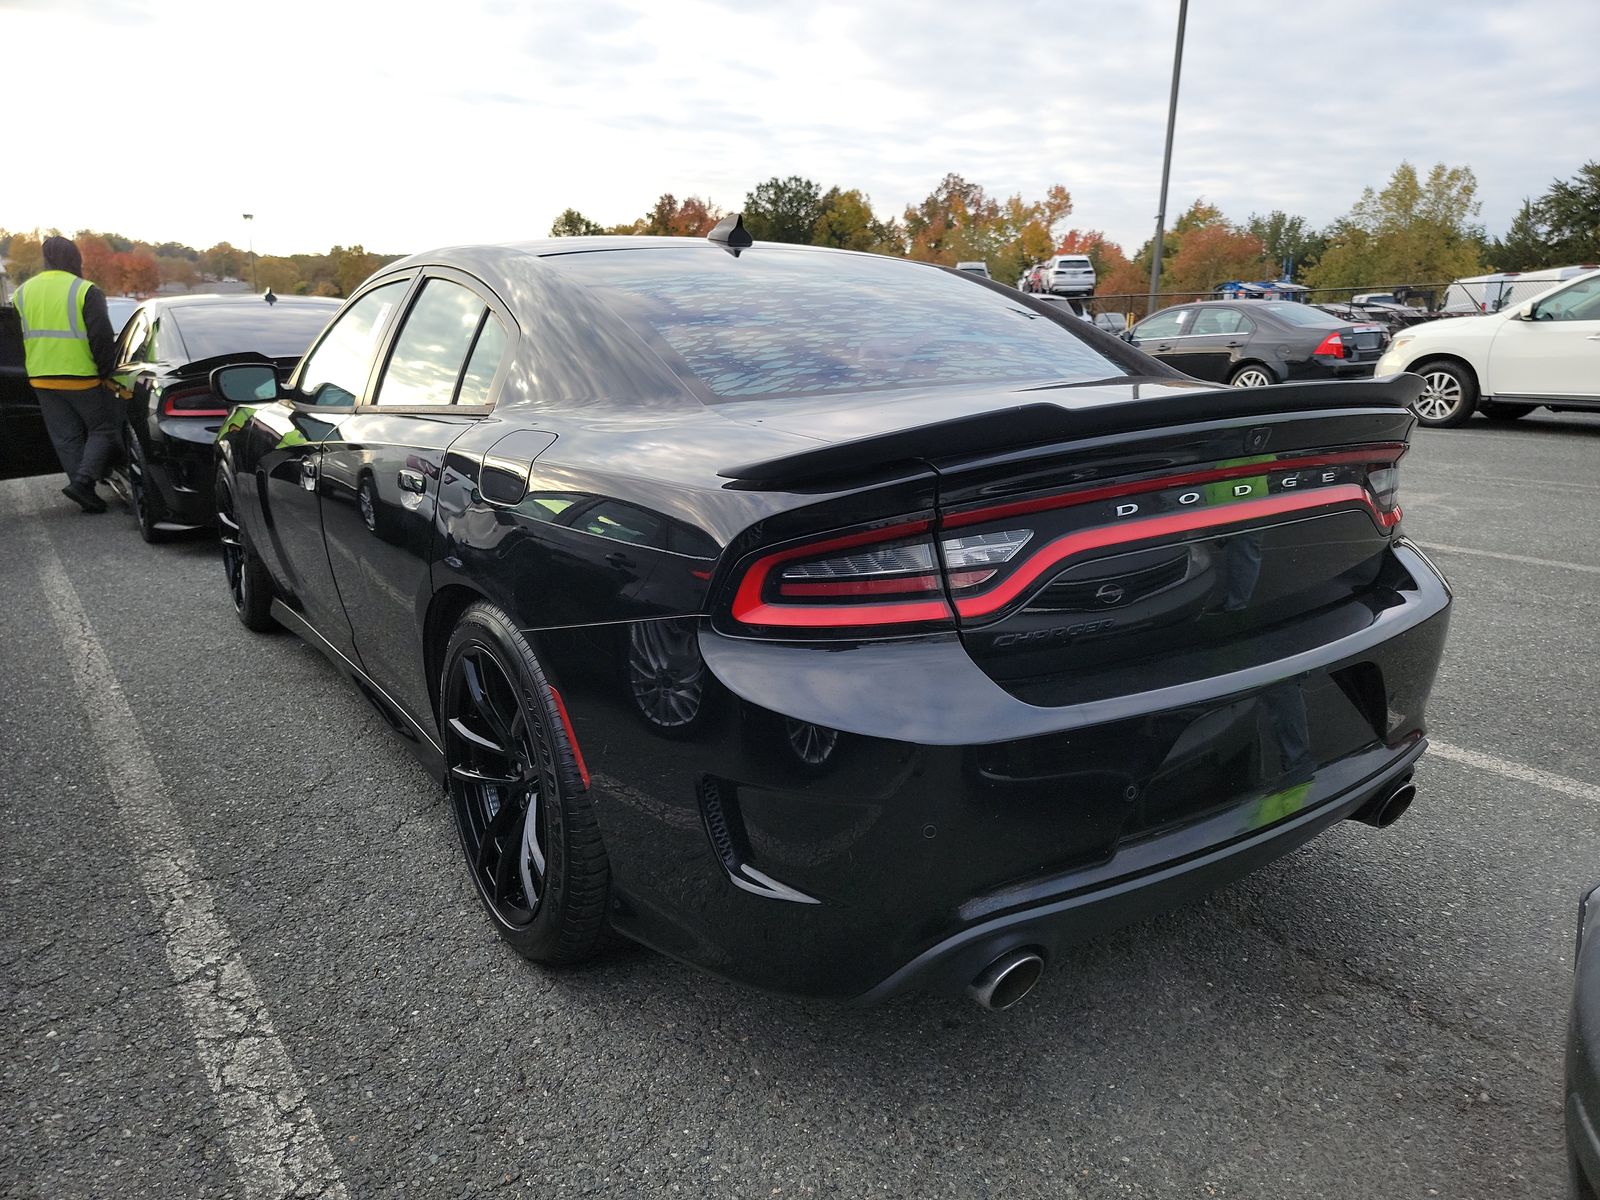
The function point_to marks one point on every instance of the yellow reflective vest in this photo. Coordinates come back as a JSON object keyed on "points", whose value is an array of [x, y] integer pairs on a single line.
{"points": [[55, 338]]}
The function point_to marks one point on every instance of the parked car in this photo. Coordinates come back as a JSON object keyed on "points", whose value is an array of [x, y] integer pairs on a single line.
{"points": [[1544, 351], [119, 309], [1253, 343], [830, 621], [1582, 1108], [165, 356], [974, 268], [1068, 275]]}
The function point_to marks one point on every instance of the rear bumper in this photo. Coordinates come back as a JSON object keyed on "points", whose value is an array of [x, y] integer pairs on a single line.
{"points": [[182, 460], [941, 821]]}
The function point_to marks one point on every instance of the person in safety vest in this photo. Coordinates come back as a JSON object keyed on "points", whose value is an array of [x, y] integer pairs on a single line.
{"points": [[71, 349]]}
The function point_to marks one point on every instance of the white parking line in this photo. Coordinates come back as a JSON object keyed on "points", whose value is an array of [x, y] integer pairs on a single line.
{"points": [[1516, 558], [1533, 776], [276, 1142]]}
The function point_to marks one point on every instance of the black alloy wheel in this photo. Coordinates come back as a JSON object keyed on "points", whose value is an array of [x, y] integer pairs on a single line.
{"points": [[249, 583], [527, 828], [140, 497]]}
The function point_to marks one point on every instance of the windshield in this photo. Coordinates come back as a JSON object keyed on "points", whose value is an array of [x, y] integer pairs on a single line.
{"points": [[774, 323], [278, 331]]}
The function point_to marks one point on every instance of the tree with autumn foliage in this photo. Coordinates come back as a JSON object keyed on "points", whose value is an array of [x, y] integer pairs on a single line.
{"points": [[133, 273], [846, 221], [959, 222], [1213, 254], [693, 217]]}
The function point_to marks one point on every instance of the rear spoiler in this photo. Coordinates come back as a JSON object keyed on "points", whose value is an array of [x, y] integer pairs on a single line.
{"points": [[1041, 423]]}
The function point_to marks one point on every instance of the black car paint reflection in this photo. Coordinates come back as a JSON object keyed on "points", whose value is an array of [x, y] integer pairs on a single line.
{"points": [[852, 811]]}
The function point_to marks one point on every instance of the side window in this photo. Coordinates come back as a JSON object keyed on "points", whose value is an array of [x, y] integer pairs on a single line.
{"points": [[131, 344], [433, 345], [483, 362], [337, 369], [1163, 324], [1216, 320], [1580, 302]]}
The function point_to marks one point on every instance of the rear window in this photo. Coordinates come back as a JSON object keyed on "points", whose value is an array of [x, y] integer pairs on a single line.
{"points": [[774, 323], [1302, 314], [276, 330], [1076, 264]]}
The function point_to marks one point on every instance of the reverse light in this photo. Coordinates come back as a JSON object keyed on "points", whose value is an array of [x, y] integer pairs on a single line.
{"points": [[1331, 346]]}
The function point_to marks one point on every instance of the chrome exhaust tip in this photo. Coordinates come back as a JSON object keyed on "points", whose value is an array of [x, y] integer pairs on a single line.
{"points": [[1007, 979], [1389, 808]]}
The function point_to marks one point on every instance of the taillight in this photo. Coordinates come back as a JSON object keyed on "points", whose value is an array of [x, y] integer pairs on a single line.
{"points": [[1384, 480], [1332, 346], [913, 573], [191, 402], [884, 576]]}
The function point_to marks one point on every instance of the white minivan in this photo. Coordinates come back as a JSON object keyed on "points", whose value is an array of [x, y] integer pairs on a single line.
{"points": [[1069, 275]]}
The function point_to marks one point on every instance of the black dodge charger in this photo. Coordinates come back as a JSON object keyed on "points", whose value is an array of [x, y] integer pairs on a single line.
{"points": [[165, 355], [836, 623]]}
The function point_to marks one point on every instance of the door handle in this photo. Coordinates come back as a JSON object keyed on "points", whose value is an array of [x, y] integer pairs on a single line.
{"points": [[1164, 346], [1234, 345], [412, 481], [308, 473], [619, 560], [1593, 337]]}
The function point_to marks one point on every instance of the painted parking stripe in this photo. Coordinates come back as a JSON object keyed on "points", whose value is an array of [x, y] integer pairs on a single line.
{"points": [[1550, 782], [273, 1134], [1516, 558]]}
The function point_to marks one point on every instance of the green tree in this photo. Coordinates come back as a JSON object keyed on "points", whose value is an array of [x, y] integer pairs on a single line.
{"points": [[1526, 244], [784, 210], [351, 267], [277, 275], [846, 220], [1571, 211], [1415, 230], [572, 223], [1286, 237]]}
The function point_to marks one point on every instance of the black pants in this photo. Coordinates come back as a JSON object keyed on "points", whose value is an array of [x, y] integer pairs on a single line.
{"points": [[84, 428]]}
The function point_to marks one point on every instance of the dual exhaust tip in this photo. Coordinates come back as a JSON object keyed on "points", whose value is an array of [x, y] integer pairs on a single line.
{"points": [[1006, 980]]}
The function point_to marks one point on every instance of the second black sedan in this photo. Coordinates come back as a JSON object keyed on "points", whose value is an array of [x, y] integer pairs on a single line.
{"points": [[1255, 343], [165, 356]]}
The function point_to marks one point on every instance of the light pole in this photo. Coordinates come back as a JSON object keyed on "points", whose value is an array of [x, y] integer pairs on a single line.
{"points": [[252, 234], [1166, 162]]}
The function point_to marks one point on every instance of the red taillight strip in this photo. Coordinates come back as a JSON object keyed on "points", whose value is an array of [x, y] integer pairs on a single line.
{"points": [[865, 587], [1100, 537], [572, 738], [169, 405], [1385, 453], [749, 608]]}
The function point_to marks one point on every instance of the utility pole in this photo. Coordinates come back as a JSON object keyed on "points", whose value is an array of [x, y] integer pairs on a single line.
{"points": [[1166, 162], [251, 217]]}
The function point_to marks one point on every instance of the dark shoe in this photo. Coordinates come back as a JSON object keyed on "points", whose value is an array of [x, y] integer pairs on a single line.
{"points": [[85, 497]]}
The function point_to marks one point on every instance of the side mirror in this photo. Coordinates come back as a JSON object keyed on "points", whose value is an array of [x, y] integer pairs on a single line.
{"points": [[245, 383], [1126, 335], [1524, 312]]}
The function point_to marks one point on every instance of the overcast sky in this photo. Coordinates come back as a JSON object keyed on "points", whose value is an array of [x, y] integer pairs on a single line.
{"points": [[402, 125]]}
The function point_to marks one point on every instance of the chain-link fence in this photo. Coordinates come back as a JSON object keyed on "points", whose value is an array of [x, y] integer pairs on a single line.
{"points": [[1424, 300]]}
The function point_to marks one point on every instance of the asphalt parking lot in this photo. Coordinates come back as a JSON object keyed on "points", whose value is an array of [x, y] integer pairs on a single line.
{"points": [[240, 957]]}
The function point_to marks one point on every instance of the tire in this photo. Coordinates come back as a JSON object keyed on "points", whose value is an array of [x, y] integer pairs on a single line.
{"points": [[141, 497], [522, 808], [1499, 410], [249, 581], [1449, 395], [1251, 375]]}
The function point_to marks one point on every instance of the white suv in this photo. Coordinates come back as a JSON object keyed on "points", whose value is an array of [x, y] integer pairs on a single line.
{"points": [[1544, 351], [1068, 275]]}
